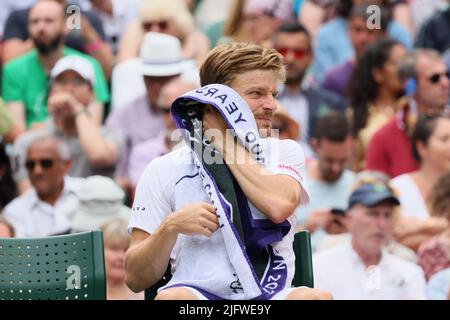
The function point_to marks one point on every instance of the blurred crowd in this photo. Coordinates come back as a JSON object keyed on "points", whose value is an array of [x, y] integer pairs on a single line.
{"points": [[86, 90]]}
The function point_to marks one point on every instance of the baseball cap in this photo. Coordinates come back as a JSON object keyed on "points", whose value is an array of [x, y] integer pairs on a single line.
{"points": [[371, 194], [75, 63]]}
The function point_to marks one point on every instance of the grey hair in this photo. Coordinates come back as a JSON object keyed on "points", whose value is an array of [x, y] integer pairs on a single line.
{"points": [[40, 136], [407, 67]]}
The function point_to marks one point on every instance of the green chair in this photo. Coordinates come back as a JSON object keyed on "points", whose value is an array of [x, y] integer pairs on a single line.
{"points": [[303, 266], [68, 267]]}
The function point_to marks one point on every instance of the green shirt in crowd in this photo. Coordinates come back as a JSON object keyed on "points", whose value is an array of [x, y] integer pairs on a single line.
{"points": [[24, 80]]}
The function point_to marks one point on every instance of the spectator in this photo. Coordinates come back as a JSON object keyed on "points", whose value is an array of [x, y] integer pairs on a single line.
{"points": [[27, 99], [333, 45], [158, 53], [337, 78], [38, 212], [430, 34], [115, 16], [9, 130], [389, 150], [305, 106], [361, 268], [329, 180], [85, 34], [94, 149], [117, 240], [374, 89], [171, 18], [431, 147], [165, 141], [8, 189], [434, 253]]}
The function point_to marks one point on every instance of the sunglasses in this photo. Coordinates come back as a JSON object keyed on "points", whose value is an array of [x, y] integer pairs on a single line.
{"points": [[298, 53], [44, 163], [162, 25], [435, 78]]}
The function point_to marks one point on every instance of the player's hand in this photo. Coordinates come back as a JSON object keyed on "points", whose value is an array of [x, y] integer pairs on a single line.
{"points": [[194, 219]]}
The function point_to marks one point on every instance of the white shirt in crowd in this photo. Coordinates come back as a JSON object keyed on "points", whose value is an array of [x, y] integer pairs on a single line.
{"points": [[171, 182], [340, 271], [411, 201], [31, 217]]}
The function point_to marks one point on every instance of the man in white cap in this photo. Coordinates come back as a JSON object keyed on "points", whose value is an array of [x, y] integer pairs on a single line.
{"points": [[160, 61], [95, 149]]}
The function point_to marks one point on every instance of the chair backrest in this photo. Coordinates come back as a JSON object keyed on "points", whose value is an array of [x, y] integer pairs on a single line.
{"points": [[303, 266], [68, 267], [303, 260]]}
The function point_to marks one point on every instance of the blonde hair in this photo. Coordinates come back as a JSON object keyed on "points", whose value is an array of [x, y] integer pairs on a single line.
{"points": [[175, 10], [226, 61], [115, 231]]}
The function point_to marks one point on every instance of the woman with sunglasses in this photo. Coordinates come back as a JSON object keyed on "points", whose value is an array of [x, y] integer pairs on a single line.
{"points": [[431, 147], [170, 17]]}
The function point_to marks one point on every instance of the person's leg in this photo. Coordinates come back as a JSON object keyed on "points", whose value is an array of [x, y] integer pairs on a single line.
{"points": [[179, 293]]}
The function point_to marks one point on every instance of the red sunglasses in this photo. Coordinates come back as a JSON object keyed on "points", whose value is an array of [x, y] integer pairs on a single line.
{"points": [[298, 53]]}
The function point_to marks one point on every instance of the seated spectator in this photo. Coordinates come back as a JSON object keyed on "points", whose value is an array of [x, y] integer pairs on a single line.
{"points": [[6, 230], [8, 188], [361, 268], [165, 141], [374, 90], [94, 149], [305, 106], [27, 99], [431, 147], [38, 212], [338, 77], [389, 150], [115, 16], [329, 181], [9, 130], [333, 45], [438, 286], [434, 254], [87, 37], [157, 67], [116, 241], [169, 17]]}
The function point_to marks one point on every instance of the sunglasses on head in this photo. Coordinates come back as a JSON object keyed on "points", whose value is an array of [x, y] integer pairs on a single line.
{"points": [[435, 78], [44, 163], [298, 53], [162, 25]]}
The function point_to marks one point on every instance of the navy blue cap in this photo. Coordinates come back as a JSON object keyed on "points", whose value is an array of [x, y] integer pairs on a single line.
{"points": [[371, 194]]}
